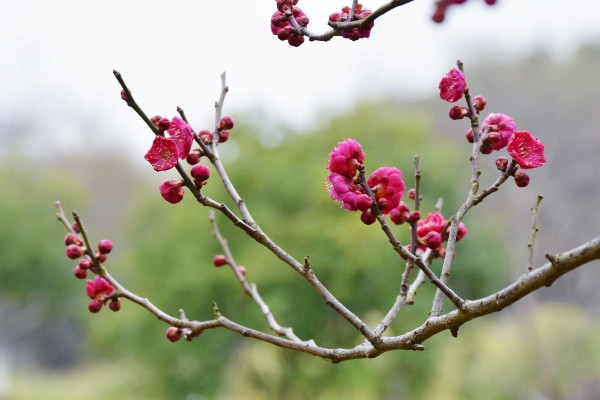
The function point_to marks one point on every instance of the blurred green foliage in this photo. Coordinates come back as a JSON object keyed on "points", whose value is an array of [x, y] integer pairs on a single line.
{"points": [[166, 251]]}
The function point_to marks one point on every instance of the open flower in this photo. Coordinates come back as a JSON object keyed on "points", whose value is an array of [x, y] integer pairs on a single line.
{"points": [[181, 133], [388, 187], [502, 124], [345, 158], [163, 154], [344, 190], [98, 288], [452, 85], [526, 150]]}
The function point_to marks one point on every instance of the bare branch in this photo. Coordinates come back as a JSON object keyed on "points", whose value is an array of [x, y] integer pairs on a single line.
{"points": [[534, 230]]}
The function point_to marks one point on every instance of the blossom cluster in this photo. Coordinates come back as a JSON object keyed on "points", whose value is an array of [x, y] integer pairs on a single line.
{"points": [[344, 186], [355, 33], [165, 152], [498, 131], [281, 25], [442, 5], [99, 290], [433, 231]]}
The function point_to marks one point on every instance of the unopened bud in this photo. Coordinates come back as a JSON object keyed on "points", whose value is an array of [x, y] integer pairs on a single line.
{"points": [[414, 216], [72, 238], [194, 157], [115, 304], [486, 148], [367, 217], [412, 193], [105, 246], [242, 270], [200, 173], [94, 305], [469, 136], [296, 40], [521, 179], [502, 163], [458, 112], [494, 137], [79, 272], [363, 202], [173, 334], [479, 103], [85, 263], [124, 96], [223, 136], [74, 251], [226, 122], [206, 136], [219, 260]]}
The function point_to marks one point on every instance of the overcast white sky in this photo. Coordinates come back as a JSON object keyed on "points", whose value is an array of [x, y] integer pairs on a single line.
{"points": [[57, 56]]}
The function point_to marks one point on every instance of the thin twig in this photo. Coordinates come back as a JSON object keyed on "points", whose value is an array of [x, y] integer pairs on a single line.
{"points": [[132, 103], [534, 230]]}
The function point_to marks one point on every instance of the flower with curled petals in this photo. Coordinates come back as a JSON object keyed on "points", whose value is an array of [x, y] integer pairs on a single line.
{"points": [[452, 85], [502, 124], [98, 288], [346, 158], [388, 187], [526, 150], [344, 190]]}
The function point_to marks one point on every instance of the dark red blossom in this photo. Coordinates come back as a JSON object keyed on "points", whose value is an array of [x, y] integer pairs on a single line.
{"points": [[388, 187], [452, 85], [526, 150]]}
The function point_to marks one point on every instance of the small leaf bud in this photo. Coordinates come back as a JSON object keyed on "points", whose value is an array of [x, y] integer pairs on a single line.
{"points": [[219, 260]]}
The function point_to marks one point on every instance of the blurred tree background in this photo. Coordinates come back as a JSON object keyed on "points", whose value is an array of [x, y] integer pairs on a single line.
{"points": [[543, 347]]}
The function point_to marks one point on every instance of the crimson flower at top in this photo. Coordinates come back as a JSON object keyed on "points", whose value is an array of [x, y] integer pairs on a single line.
{"points": [[452, 85], [346, 158], [526, 150]]}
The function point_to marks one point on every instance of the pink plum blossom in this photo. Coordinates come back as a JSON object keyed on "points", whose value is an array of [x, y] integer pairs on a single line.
{"points": [[163, 154], [526, 150], [502, 124], [344, 190], [98, 287], [181, 133], [388, 187], [346, 158], [452, 85]]}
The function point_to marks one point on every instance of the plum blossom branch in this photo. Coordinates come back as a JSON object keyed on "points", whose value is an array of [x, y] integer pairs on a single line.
{"points": [[251, 289]]}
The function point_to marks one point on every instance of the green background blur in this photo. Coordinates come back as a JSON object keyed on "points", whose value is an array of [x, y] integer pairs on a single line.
{"points": [[546, 346]]}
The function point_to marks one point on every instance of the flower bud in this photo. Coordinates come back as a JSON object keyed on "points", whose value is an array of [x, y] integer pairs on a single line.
{"points": [[367, 217], [72, 238], [363, 202], [285, 6], [75, 227], [242, 270], [124, 96], [101, 257], [105, 246], [521, 178], [399, 215], [163, 124], [94, 305], [303, 21], [219, 260], [115, 304], [469, 136], [194, 157], [171, 190], [173, 334], [457, 112], [206, 136], [479, 103], [486, 148], [501, 163], [79, 272], [494, 137], [412, 193], [85, 263], [490, 2], [414, 216], [433, 240], [74, 251], [296, 40], [285, 32], [200, 173], [223, 136], [226, 122], [155, 120]]}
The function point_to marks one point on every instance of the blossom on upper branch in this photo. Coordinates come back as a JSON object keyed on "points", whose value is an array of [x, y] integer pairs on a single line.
{"points": [[452, 85], [346, 158], [388, 187], [526, 150], [355, 33], [181, 133]]}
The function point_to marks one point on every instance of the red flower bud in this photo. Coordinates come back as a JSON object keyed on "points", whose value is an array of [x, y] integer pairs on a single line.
{"points": [[469, 136], [457, 112], [94, 305], [412, 193], [242, 270], [194, 157], [486, 148], [173, 334], [479, 103], [105, 246], [363, 202], [502, 163], [223, 136], [414, 216], [72, 238], [219, 260], [85, 263], [75, 227], [367, 217], [226, 122], [295, 40], [200, 173], [521, 179], [206, 136], [115, 304], [80, 273], [124, 96], [74, 251]]}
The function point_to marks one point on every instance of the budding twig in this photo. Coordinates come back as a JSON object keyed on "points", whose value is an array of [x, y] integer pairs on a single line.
{"points": [[534, 230], [131, 103]]}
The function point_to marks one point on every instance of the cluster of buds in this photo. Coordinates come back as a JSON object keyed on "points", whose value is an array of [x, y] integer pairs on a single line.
{"points": [[281, 22], [344, 186], [442, 5], [166, 151], [498, 131], [76, 249], [360, 13], [99, 290], [433, 231]]}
